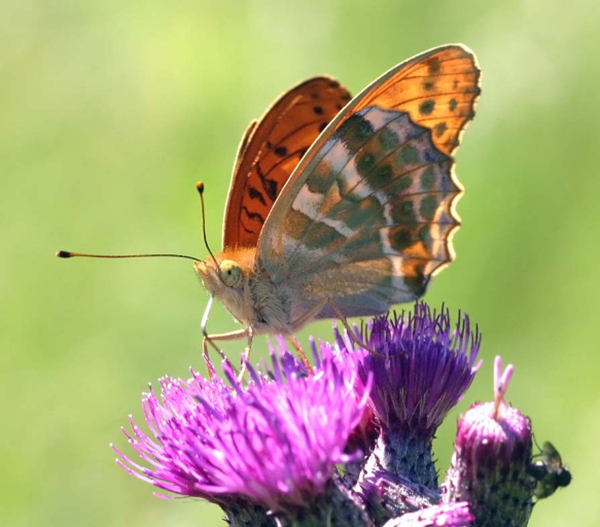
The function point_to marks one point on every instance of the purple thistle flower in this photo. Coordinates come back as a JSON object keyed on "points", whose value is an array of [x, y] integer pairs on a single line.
{"points": [[391, 496], [273, 443], [423, 369], [267, 452], [492, 456]]}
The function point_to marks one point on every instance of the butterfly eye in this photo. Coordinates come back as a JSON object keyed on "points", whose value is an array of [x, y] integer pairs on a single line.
{"points": [[230, 272]]}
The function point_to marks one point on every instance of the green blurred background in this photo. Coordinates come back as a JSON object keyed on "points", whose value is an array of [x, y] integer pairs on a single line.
{"points": [[111, 111]]}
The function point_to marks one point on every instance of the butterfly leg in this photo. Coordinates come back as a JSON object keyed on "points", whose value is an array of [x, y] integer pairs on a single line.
{"points": [[300, 353], [246, 355], [232, 335], [308, 316], [299, 323], [207, 338], [353, 337]]}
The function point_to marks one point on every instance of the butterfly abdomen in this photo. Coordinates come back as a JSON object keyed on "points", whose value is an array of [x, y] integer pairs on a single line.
{"points": [[269, 306]]}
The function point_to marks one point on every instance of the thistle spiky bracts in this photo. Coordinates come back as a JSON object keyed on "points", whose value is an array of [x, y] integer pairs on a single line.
{"points": [[423, 368], [492, 455], [348, 443]]}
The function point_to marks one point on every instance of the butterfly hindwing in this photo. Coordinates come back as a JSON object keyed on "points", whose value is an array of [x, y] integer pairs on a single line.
{"points": [[271, 149], [368, 215], [372, 222]]}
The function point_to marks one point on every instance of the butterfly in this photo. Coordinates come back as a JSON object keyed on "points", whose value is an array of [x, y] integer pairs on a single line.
{"points": [[342, 207]]}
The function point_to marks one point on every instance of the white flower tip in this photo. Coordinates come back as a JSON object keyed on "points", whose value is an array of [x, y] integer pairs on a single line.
{"points": [[501, 382]]}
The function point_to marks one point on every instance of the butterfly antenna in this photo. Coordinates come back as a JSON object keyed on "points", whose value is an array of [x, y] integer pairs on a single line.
{"points": [[69, 254], [200, 187]]}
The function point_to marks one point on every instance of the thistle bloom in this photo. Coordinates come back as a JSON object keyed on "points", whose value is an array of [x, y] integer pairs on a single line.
{"points": [[274, 443], [267, 452], [388, 495], [492, 456], [422, 368]]}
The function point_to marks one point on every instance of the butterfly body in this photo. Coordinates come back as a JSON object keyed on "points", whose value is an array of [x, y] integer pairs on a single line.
{"points": [[251, 298], [341, 209]]}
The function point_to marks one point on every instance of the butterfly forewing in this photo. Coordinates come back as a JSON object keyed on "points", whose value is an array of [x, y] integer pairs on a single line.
{"points": [[271, 150], [368, 215], [438, 89]]}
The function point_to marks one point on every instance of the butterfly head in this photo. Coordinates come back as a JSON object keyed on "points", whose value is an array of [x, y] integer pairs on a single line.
{"points": [[226, 275], [217, 275]]}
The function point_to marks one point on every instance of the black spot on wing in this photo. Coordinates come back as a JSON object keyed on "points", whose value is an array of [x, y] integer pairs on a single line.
{"points": [[269, 185], [253, 215], [427, 107], [256, 194]]}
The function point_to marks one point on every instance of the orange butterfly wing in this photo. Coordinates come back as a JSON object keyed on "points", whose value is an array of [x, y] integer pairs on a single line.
{"points": [[438, 92], [368, 217], [270, 151]]}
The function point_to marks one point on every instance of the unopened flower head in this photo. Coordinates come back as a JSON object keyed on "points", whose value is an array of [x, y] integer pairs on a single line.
{"points": [[275, 442], [492, 455]]}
